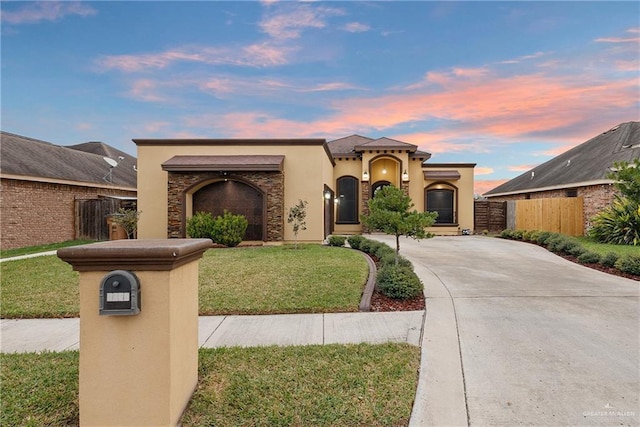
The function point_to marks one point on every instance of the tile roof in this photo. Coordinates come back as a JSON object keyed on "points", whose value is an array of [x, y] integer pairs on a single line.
{"points": [[83, 163], [586, 163], [354, 144]]}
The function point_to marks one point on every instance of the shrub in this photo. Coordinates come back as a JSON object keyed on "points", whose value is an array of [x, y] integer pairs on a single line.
{"points": [[370, 246], [609, 259], [544, 237], [200, 226], [355, 241], [629, 264], [589, 257], [390, 259], [557, 243], [517, 234], [506, 234], [398, 282], [534, 235], [526, 235], [229, 229], [618, 223], [337, 240], [576, 250], [382, 250]]}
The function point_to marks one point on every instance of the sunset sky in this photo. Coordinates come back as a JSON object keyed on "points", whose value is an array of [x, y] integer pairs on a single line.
{"points": [[506, 85]]}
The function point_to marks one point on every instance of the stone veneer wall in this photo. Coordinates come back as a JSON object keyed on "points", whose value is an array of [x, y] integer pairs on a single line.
{"points": [[365, 193], [38, 213], [270, 183], [596, 198]]}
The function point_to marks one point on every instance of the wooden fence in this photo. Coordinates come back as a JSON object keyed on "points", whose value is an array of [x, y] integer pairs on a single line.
{"points": [[560, 215], [91, 217], [491, 216]]}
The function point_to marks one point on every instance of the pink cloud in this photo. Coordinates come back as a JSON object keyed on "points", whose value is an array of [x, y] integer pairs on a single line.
{"points": [[35, 12], [255, 55], [482, 186], [520, 168], [479, 170], [288, 23]]}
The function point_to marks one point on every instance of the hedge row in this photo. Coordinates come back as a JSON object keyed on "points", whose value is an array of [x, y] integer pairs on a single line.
{"points": [[563, 244], [395, 280]]}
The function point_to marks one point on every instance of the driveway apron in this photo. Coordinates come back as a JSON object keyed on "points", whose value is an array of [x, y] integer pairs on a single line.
{"points": [[539, 340]]}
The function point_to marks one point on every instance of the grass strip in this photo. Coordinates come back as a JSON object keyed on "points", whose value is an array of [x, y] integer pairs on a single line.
{"points": [[605, 248], [42, 248], [263, 280], [333, 385]]}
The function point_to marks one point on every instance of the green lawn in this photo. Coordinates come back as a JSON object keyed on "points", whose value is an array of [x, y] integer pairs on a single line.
{"points": [[604, 248], [333, 385], [258, 280], [277, 279]]}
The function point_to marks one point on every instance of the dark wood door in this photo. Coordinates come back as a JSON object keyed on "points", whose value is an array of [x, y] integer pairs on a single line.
{"points": [[237, 198]]}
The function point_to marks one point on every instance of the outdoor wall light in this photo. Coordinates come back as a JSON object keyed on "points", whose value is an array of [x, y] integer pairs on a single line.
{"points": [[327, 195], [365, 176], [405, 176]]}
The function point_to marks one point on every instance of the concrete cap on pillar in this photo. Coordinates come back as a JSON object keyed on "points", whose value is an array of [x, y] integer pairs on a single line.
{"points": [[135, 254]]}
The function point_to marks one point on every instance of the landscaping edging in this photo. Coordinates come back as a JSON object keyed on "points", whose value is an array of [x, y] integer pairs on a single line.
{"points": [[365, 301]]}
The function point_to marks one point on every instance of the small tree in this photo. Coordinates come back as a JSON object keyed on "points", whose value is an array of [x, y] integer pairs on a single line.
{"points": [[297, 217], [128, 220], [390, 212]]}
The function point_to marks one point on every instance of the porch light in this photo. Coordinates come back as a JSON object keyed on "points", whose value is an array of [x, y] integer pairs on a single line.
{"points": [[327, 195], [405, 176], [365, 176]]}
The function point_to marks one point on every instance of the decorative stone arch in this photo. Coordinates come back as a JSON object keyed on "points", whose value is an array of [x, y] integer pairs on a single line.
{"points": [[445, 195], [182, 185], [234, 194]]}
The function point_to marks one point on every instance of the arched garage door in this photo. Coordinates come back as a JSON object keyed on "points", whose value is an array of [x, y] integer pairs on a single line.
{"points": [[236, 197]]}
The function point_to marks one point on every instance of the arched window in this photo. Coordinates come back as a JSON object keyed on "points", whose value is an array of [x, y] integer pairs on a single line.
{"points": [[378, 186], [347, 197], [441, 200]]}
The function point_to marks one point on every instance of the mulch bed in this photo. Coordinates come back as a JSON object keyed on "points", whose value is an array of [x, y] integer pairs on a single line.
{"points": [[381, 302], [600, 267]]}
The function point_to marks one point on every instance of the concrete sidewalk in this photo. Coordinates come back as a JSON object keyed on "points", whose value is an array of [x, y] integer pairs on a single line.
{"points": [[35, 335]]}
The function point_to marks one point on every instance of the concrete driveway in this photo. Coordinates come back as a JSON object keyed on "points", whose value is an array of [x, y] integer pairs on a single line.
{"points": [[515, 335]]}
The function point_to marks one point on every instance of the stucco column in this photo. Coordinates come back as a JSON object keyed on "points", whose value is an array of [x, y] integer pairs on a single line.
{"points": [[141, 369]]}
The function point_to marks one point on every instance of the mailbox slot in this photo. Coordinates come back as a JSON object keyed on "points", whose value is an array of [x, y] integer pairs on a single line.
{"points": [[120, 294]]}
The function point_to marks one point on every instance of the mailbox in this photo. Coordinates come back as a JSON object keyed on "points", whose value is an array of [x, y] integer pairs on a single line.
{"points": [[119, 294]]}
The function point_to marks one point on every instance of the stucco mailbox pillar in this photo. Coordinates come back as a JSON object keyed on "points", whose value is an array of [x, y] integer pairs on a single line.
{"points": [[138, 369]]}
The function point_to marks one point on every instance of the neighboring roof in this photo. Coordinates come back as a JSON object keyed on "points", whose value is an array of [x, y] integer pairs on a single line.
{"points": [[100, 148], [31, 158], [224, 163], [586, 164], [353, 145]]}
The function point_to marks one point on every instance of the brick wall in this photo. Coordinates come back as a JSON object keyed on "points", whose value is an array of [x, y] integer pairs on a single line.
{"points": [[38, 213], [596, 198], [270, 183]]}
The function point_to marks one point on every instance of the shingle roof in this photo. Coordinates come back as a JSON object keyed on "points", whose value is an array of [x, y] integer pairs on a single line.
{"points": [[586, 163], [30, 157], [224, 163], [347, 144]]}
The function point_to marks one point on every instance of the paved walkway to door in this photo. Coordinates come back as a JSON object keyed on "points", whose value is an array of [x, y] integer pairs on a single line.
{"points": [[515, 335]]}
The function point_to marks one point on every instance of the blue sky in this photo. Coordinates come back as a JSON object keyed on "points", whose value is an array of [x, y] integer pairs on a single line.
{"points": [[506, 85]]}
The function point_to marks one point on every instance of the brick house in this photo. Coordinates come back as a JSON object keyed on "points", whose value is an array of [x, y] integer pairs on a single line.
{"points": [[579, 172], [41, 184], [262, 178]]}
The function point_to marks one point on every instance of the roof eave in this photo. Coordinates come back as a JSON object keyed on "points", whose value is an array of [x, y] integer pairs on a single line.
{"points": [[551, 187]]}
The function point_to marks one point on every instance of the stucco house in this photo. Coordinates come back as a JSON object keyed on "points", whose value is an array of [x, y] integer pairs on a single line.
{"points": [[262, 178], [42, 186], [579, 172]]}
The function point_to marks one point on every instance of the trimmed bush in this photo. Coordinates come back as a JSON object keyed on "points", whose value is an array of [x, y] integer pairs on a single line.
{"points": [[355, 241], [382, 250], [609, 259], [544, 237], [506, 234], [557, 243], [589, 257], [398, 282], [337, 240], [200, 225], [390, 259], [629, 264], [576, 250], [370, 246], [229, 229]]}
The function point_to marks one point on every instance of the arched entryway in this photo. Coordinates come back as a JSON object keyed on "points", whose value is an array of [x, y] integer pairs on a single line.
{"points": [[236, 197]]}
